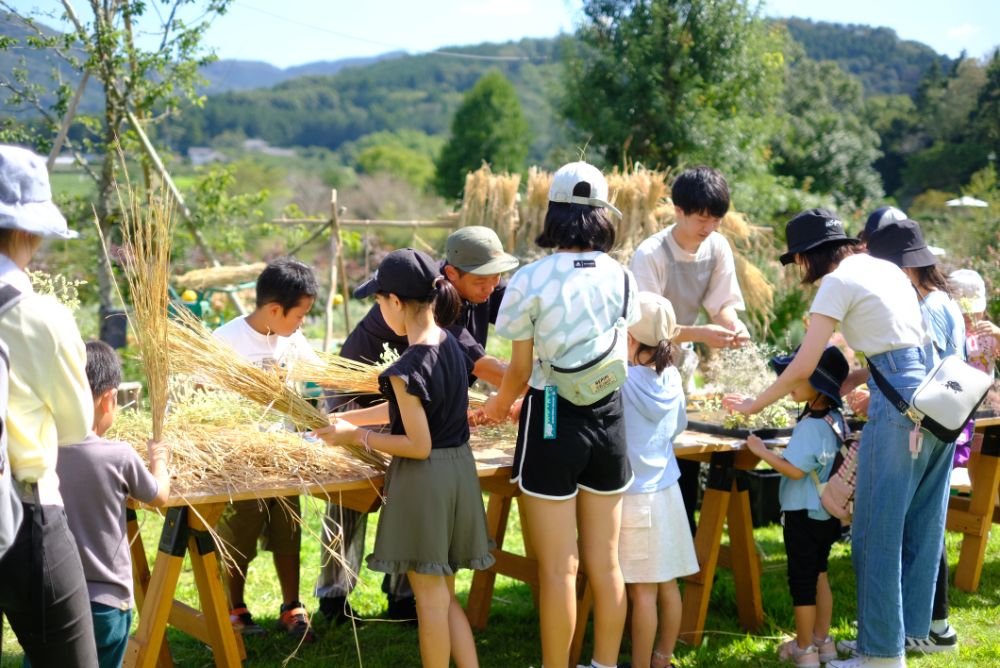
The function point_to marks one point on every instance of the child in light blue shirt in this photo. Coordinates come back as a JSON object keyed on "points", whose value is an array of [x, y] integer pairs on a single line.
{"points": [[809, 531]]}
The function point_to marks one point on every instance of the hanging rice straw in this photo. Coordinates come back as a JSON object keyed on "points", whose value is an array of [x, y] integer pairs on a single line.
{"points": [[196, 352], [147, 229], [199, 279]]}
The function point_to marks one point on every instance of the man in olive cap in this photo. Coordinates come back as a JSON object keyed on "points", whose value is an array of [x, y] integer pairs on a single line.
{"points": [[474, 261]]}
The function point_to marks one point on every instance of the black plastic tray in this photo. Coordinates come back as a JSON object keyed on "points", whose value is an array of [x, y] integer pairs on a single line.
{"points": [[715, 429]]}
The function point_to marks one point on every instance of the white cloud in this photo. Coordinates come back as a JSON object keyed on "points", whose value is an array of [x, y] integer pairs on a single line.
{"points": [[963, 31], [497, 8]]}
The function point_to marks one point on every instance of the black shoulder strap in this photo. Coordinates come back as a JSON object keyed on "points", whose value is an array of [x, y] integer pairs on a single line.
{"points": [[8, 293], [625, 307], [888, 390]]}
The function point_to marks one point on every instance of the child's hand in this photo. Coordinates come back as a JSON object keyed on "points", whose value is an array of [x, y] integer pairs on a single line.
{"points": [[738, 403], [492, 409], [987, 328], [157, 451], [858, 401], [478, 417], [340, 432], [514, 414], [755, 445]]}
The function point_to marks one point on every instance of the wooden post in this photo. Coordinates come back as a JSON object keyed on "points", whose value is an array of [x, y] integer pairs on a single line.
{"points": [[334, 247], [67, 120]]}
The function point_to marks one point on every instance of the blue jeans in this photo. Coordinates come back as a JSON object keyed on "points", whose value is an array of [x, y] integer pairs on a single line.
{"points": [[899, 515]]}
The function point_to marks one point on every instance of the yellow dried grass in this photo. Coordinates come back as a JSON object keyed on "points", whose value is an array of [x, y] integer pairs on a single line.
{"points": [[196, 352], [147, 230], [491, 200], [199, 279]]}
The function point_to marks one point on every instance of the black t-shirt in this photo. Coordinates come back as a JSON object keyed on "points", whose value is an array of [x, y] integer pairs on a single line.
{"points": [[434, 375], [365, 342]]}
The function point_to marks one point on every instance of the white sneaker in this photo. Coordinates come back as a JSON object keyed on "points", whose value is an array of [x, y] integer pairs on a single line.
{"points": [[861, 661], [934, 643], [849, 647]]}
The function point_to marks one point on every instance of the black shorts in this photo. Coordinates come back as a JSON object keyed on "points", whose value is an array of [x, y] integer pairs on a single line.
{"points": [[807, 544], [589, 451]]}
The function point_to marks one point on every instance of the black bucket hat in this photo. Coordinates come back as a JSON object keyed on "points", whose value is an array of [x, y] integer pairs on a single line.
{"points": [[830, 373], [810, 229], [900, 242], [406, 273], [878, 218]]}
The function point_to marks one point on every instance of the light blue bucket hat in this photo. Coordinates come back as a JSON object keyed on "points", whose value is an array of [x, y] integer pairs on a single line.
{"points": [[26, 196]]}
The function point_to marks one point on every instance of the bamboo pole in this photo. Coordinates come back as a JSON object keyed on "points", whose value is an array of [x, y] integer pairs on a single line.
{"points": [[334, 247], [366, 223], [67, 121]]}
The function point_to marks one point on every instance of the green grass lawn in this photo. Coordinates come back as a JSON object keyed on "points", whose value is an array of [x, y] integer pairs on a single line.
{"points": [[512, 636]]}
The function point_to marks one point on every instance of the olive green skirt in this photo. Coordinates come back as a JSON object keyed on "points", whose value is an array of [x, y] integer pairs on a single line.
{"points": [[432, 520]]}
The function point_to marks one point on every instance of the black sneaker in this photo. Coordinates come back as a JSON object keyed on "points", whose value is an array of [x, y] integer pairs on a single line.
{"points": [[336, 610], [934, 643]]}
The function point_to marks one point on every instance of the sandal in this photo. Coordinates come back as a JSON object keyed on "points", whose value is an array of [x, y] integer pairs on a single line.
{"points": [[294, 621]]}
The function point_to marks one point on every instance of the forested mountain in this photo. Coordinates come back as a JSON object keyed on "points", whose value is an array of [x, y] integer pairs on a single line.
{"points": [[886, 64], [234, 75], [414, 92]]}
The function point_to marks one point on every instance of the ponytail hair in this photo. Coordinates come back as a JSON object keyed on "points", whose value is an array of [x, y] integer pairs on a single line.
{"points": [[447, 302], [659, 356]]}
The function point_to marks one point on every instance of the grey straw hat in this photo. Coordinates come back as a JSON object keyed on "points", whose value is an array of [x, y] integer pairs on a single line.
{"points": [[26, 197]]}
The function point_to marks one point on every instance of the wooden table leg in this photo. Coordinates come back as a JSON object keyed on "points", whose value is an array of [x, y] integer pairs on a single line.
{"points": [[745, 565], [227, 646], [141, 576], [985, 468], [143, 649], [698, 587], [477, 609]]}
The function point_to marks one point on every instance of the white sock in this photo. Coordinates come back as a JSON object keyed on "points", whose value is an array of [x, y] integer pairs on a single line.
{"points": [[594, 664], [939, 625]]}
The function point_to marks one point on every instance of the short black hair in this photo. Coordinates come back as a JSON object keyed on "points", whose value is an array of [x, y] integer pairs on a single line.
{"points": [[701, 190], [577, 225], [104, 369], [285, 281]]}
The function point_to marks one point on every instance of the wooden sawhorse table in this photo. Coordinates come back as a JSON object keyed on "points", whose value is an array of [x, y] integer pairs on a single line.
{"points": [[726, 497], [185, 531], [974, 515], [726, 502]]}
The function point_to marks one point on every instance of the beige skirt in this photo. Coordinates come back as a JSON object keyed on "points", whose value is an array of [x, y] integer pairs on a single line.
{"points": [[655, 543]]}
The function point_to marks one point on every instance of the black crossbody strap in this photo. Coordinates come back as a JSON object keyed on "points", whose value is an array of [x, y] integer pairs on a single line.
{"points": [[8, 293], [888, 390]]}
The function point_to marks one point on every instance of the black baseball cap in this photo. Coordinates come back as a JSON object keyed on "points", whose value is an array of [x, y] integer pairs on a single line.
{"points": [[810, 229], [878, 218], [900, 242], [829, 375], [406, 273]]}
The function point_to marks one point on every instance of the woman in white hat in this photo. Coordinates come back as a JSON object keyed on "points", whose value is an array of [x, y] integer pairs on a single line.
{"points": [[42, 588]]}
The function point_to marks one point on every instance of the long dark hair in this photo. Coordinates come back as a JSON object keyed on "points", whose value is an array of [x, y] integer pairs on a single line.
{"points": [[445, 298], [931, 278], [821, 260], [659, 356]]}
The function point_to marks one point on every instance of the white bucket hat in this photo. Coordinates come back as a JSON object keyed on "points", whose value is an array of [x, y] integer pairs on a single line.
{"points": [[573, 173], [26, 196], [968, 285]]}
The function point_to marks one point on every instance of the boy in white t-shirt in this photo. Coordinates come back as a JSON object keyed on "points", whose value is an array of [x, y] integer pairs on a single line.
{"points": [[270, 336]]}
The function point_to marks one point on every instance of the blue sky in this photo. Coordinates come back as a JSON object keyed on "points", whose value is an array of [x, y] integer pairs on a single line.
{"points": [[292, 32]]}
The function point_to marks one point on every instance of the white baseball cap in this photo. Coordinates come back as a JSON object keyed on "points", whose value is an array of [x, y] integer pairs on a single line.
{"points": [[570, 175], [26, 196], [968, 284]]}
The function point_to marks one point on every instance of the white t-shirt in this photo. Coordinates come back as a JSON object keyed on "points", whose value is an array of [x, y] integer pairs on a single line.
{"points": [[564, 303], [649, 265], [875, 304], [264, 350]]}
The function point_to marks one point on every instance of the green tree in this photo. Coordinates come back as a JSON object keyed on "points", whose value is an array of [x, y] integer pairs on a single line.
{"points": [[148, 82], [825, 144], [489, 126], [668, 81]]}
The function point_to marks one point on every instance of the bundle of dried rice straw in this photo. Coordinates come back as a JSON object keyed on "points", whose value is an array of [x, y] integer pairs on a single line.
{"points": [[196, 352], [339, 375], [199, 279], [491, 200], [219, 447], [147, 230]]}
